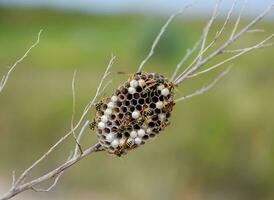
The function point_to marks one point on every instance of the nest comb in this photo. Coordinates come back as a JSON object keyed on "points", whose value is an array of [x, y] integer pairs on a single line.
{"points": [[139, 110]]}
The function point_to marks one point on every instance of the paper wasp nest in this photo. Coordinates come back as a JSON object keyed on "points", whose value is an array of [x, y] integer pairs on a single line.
{"points": [[139, 110]]}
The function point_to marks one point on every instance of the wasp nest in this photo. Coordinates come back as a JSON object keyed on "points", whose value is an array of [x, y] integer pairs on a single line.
{"points": [[139, 110]]}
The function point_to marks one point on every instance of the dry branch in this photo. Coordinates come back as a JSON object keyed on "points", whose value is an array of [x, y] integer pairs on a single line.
{"points": [[5, 78]]}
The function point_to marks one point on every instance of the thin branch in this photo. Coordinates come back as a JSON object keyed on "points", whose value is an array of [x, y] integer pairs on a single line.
{"points": [[56, 179], [52, 174], [50, 187], [207, 28], [184, 59], [256, 31], [158, 37], [220, 50], [13, 178], [228, 17], [232, 58], [205, 88], [244, 49], [87, 108], [238, 20], [5, 78], [73, 111], [79, 138], [202, 38]]}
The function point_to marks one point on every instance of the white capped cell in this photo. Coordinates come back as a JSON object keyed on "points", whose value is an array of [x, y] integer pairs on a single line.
{"points": [[141, 133], [110, 137], [101, 125], [131, 90], [133, 134], [111, 105], [115, 143], [133, 83], [114, 99], [149, 130], [165, 92], [104, 118], [135, 114], [137, 140], [108, 112], [159, 105]]}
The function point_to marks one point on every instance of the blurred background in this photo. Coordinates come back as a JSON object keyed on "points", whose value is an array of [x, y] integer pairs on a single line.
{"points": [[219, 145]]}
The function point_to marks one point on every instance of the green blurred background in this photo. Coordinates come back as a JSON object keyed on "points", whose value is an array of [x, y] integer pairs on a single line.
{"points": [[219, 145]]}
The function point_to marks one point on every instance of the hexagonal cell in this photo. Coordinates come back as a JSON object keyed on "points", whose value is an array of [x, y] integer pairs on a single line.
{"points": [[139, 89], [129, 96], [152, 105], [118, 103], [124, 90], [116, 109], [133, 102], [139, 107], [136, 96], [126, 103], [124, 109], [121, 97], [131, 108], [155, 99]]}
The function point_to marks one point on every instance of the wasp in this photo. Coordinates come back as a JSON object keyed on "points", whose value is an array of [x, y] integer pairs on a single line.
{"points": [[140, 121], [164, 124], [123, 148], [121, 128], [125, 121], [148, 112], [169, 85], [157, 129], [98, 105], [92, 125], [169, 106]]}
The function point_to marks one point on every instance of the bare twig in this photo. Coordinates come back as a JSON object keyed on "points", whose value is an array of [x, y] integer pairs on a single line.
{"points": [[184, 59], [206, 30], [238, 20], [5, 78], [202, 39], [244, 49], [232, 57], [73, 111], [19, 186], [52, 174], [256, 31], [79, 137], [205, 88], [158, 37], [220, 50], [87, 108]]}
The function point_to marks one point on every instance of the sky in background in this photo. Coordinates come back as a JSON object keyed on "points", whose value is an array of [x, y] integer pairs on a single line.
{"points": [[201, 7]]}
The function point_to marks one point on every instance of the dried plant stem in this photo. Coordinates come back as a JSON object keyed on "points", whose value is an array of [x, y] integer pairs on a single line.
{"points": [[158, 37], [205, 88], [5, 78], [19, 186], [232, 57], [51, 174], [221, 49]]}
